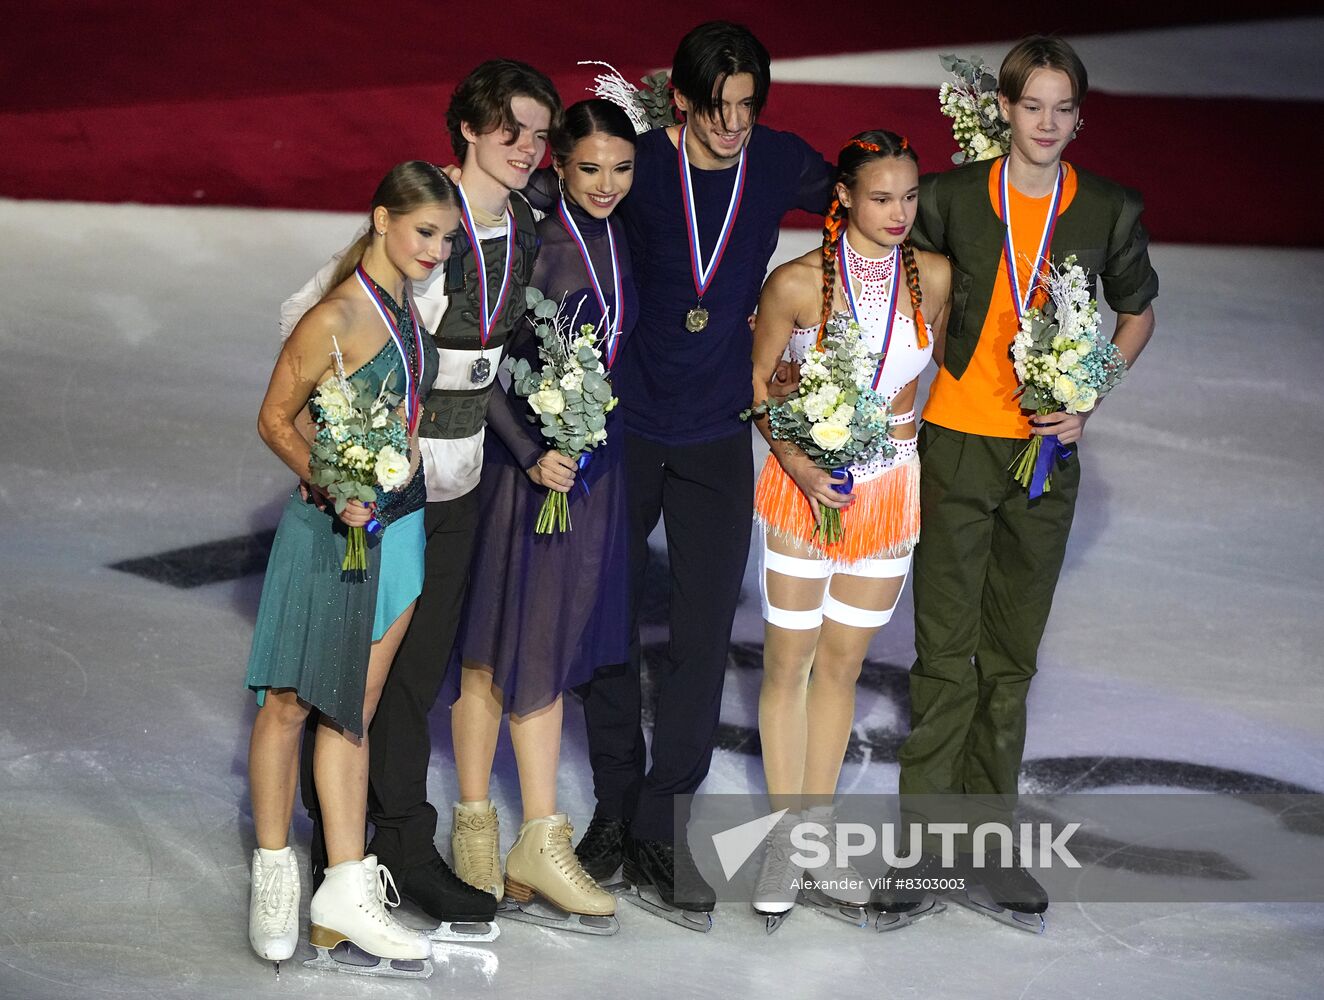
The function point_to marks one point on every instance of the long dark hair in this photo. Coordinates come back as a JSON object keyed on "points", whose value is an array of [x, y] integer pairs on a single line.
{"points": [[866, 147], [711, 53], [591, 117], [408, 186]]}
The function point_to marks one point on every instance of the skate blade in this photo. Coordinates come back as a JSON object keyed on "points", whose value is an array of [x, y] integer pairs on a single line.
{"points": [[894, 921], [771, 921], [465, 932], [977, 898], [847, 912], [694, 920], [544, 913], [346, 957]]}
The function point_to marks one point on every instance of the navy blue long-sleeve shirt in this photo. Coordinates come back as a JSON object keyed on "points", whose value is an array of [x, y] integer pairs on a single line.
{"points": [[678, 387]]}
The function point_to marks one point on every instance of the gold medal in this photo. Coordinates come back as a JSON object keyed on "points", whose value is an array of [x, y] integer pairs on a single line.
{"points": [[696, 320]]}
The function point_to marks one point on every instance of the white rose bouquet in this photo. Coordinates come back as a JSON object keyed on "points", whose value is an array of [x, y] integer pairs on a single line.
{"points": [[1063, 363], [357, 450], [971, 101], [833, 416], [570, 395]]}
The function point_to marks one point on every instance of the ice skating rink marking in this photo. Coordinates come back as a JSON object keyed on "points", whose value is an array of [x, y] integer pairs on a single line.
{"points": [[1183, 645]]}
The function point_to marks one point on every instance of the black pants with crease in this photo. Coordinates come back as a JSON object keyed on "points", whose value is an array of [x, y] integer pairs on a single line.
{"points": [[704, 493]]}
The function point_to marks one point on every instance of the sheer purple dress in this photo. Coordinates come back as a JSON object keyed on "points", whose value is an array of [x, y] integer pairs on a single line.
{"points": [[545, 611]]}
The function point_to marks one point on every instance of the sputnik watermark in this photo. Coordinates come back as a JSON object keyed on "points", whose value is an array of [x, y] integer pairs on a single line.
{"points": [[835, 886], [818, 846]]}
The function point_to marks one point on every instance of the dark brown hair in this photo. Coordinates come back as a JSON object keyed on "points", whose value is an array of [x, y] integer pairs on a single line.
{"points": [[1041, 52], [408, 187], [482, 100], [866, 147], [708, 55]]}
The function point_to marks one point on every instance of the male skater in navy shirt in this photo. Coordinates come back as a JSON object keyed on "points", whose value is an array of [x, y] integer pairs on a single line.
{"points": [[702, 219]]}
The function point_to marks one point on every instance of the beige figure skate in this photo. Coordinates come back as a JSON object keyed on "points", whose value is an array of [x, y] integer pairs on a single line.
{"points": [[546, 884]]}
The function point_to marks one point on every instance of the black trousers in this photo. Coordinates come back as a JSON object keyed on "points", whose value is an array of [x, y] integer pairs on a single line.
{"points": [[705, 496], [400, 742]]}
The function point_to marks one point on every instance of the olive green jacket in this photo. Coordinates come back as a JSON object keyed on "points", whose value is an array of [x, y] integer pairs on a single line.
{"points": [[1101, 226]]}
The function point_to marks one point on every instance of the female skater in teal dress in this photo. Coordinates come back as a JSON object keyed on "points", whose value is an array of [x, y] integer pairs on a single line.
{"points": [[325, 640]]}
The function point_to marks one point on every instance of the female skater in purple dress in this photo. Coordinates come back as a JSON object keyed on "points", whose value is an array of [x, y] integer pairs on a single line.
{"points": [[544, 611]]}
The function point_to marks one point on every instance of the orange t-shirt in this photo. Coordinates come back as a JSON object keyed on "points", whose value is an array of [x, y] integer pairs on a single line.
{"points": [[981, 401]]}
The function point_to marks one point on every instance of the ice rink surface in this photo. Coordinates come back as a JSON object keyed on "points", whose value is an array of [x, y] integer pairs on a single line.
{"points": [[1184, 649], [136, 345]]}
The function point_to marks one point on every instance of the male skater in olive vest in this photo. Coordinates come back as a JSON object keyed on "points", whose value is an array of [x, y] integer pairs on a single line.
{"points": [[989, 556]]}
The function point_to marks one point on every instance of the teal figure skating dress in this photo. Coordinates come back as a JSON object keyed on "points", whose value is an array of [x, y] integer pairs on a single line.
{"points": [[315, 625]]}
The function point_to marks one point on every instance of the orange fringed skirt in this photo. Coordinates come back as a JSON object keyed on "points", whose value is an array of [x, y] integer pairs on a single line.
{"points": [[882, 523]]}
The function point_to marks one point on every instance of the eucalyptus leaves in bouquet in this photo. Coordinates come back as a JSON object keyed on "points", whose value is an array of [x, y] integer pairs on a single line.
{"points": [[971, 101], [570, 394], [360, 446], [834, 416], [649, 106], [1063, 363]]}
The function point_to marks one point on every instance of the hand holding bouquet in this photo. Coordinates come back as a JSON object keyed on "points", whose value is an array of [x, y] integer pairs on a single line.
{"points": [[831, 415], [972, 104], [357, 449], [1063, 364], [570, 395]]}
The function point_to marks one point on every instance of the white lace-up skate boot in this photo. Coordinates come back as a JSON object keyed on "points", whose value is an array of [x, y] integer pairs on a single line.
{"points": [[350, 908], [777, 888], [273, 906], [836, 890]]}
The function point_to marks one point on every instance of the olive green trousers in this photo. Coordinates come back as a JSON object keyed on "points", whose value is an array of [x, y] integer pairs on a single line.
{"points": [[984, 575]]}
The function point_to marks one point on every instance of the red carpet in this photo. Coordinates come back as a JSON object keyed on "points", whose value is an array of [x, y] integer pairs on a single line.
{"points": [[305, 106]]}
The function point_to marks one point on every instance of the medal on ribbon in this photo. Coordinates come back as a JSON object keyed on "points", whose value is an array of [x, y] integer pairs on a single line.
{"points": [[613, 321], [1022, 302], [488, 312], [843, 267], [696, 319], [413, 375], [479, 371]]}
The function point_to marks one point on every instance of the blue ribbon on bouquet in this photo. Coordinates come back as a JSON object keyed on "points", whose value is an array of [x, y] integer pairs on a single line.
{"points": [[583, 467], [1050, 450], [847, 480], [374, 526]]}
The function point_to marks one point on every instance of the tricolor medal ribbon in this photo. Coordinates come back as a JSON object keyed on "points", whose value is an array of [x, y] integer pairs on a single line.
{"points": [[1022, 303], [413, 378], [613, 321], [843, 266], [487, 317], [697, 318]]}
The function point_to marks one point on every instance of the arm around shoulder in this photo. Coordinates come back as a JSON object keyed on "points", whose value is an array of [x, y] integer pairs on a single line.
{"points": [[930, 229], [293, 309], [814, 183], [780, 302]]}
